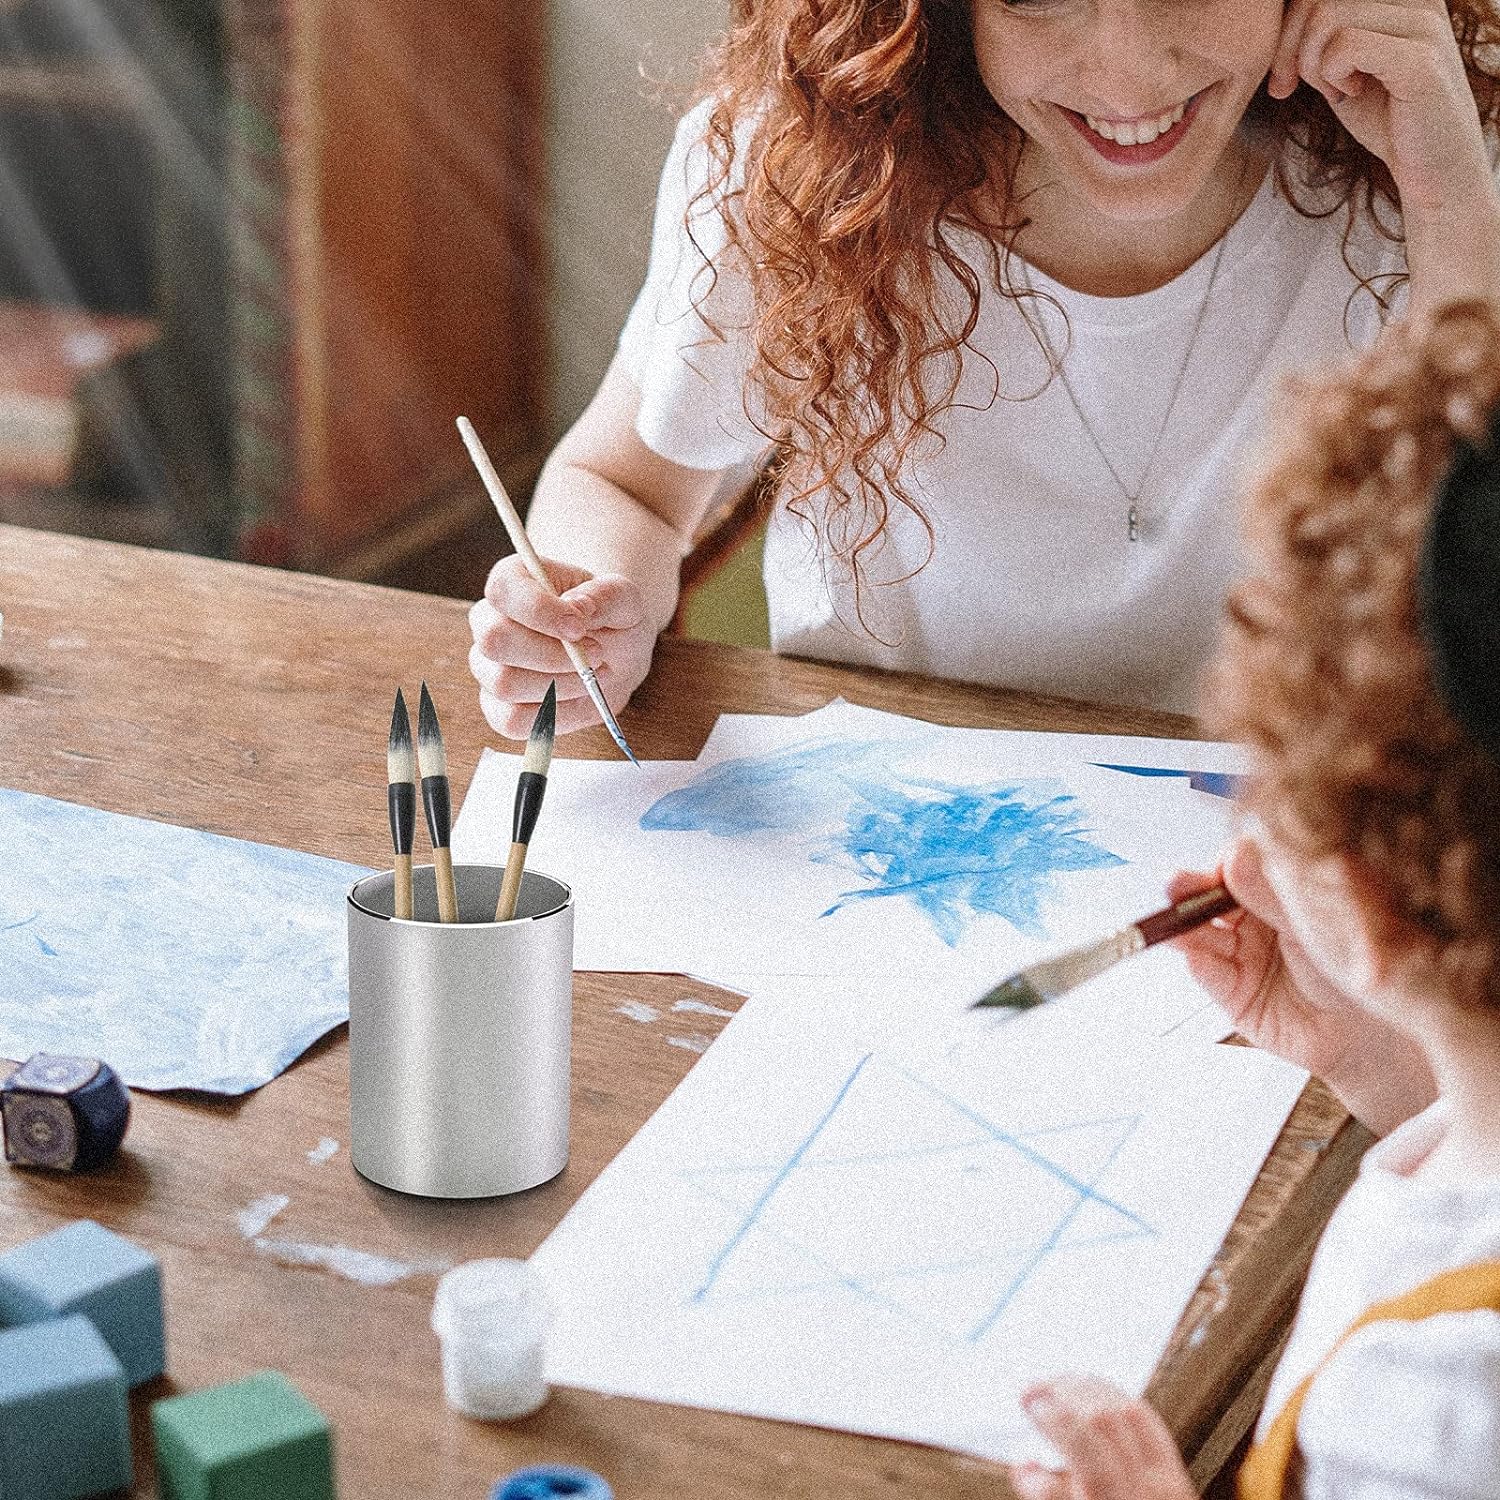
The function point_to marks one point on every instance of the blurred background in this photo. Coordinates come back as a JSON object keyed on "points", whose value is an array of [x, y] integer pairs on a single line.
{"points": [[256, 255]]}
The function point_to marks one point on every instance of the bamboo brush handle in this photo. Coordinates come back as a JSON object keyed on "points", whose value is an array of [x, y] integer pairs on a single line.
{"points": [[401, 899], [510, 886], [515, 529], [1182, 916], [447, 896]]}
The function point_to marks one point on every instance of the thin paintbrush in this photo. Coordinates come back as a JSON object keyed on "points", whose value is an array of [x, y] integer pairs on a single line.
{"points": [[1044, 981], [401, 798], [433, 761], [511, 520], [531, 785]]}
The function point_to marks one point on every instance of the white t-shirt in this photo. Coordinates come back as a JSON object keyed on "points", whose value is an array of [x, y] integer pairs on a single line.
{"points": [[1033, 583], [1404, 1411]]}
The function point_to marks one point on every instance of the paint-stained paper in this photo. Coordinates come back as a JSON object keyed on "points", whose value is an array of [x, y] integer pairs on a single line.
{"points": [[838, 843], [837, 1221], [183, 959]]}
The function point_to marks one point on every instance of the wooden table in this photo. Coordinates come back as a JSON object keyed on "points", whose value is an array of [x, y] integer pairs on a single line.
{"points": [[255, 703]]}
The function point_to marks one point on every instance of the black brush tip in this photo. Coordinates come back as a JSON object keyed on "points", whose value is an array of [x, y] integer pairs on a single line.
{"points": [[431, 756], [1015, 993], [543, 731], [398, 749], [427, 719]]}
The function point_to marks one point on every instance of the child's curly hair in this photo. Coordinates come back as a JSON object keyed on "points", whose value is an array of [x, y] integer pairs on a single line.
{"points": [[873, 149], [1324, 671]]}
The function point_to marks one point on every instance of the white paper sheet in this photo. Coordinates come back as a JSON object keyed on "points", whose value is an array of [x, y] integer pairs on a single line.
{"points": [[184, 959], [889, 849], [1152, 996], [743, 734], [835, 1223]]}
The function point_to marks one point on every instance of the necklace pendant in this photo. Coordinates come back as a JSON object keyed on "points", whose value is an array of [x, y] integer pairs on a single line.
{"points": [[1132, 525]]}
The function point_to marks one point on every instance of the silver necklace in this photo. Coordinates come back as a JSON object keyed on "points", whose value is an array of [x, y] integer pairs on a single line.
{"points": [[1132, 500]]}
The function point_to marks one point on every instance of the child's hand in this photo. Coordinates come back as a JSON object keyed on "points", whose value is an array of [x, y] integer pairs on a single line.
{"points": [[518, 632], [1253, 965], [1258, 972], [1392, 73], [1115, 1448]]}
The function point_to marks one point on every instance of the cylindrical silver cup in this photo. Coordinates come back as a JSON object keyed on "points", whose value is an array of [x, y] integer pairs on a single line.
{"points": [[460, 1035]]}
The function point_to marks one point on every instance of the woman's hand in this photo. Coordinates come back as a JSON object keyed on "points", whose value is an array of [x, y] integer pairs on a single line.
{"points": [[519, 630], [1115, 1448], [1251, 962], [1392, 73]]}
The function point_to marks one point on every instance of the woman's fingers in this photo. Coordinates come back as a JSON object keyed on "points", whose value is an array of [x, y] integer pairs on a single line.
{"points": [[514, 720], [1283, 77], [521, 685], [608, 602], [516, 595], [506, 641], [522, 635], [1309, 25]]}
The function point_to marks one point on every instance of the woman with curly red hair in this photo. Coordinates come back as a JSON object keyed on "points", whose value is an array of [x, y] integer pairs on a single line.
{"points": [[1359, 666], [1003, 286]]}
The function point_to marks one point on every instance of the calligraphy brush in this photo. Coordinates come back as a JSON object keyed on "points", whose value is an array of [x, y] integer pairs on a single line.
{"points": [[522, 543], [1040, 982], [530, 787], [401, 799], [433, 761]]}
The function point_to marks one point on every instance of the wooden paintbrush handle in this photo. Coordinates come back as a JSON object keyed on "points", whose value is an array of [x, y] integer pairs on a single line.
{"points": [[1182, 916], [510, 886], [447, 895], [401, 898]]}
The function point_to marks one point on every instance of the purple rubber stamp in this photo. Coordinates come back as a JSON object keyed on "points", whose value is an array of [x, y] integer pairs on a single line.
{"points": [[67, 1113]]}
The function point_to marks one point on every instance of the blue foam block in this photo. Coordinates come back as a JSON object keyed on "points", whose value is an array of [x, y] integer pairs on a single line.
{"points": [[64, 1414], [84, 1268]]}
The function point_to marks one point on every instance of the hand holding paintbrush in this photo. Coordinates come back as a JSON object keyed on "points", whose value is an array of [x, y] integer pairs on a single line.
{"points": [[1053, 977], [530, 787], [511, 520], [436, 802], [401, 799]]}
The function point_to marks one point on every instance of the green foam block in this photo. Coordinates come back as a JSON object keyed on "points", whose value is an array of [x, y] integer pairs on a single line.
{"points": [[258, 1438]]}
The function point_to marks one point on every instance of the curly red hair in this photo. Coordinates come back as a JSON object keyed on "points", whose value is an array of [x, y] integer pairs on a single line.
{"points": [[872, 141], [1323, 669]]}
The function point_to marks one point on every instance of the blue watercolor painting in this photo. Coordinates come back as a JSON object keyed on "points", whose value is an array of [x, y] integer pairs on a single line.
{"points": [[183, 959], [897, 1227], [951, 851]]}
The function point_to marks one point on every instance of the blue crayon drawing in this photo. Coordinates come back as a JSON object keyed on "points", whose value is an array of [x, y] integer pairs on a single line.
{"points": [[951, 851], [897, 1227]]}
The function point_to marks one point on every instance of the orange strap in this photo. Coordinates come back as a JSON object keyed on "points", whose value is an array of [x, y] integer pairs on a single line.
{"points": [[1263, 1475]]}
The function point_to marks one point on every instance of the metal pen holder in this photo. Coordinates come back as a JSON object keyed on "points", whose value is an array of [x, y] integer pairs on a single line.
{"points": [[460, 1035]]}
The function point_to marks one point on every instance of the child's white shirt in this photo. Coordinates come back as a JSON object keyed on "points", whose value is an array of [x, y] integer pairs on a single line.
{"points": [[1405, 1410], [1033, 583]]}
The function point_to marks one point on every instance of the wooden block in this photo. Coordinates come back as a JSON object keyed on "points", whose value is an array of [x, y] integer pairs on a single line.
{"points": [[85, 1268], [64, 1413], [258, 1438]]}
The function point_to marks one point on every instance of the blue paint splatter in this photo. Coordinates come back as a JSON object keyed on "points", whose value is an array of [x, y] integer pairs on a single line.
{"points": [[40, 941], [951, 851]]}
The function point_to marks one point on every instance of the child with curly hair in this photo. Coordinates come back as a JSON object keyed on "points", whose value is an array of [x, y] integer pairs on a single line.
{"points": [[1360, 667], [1004, 285]]}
